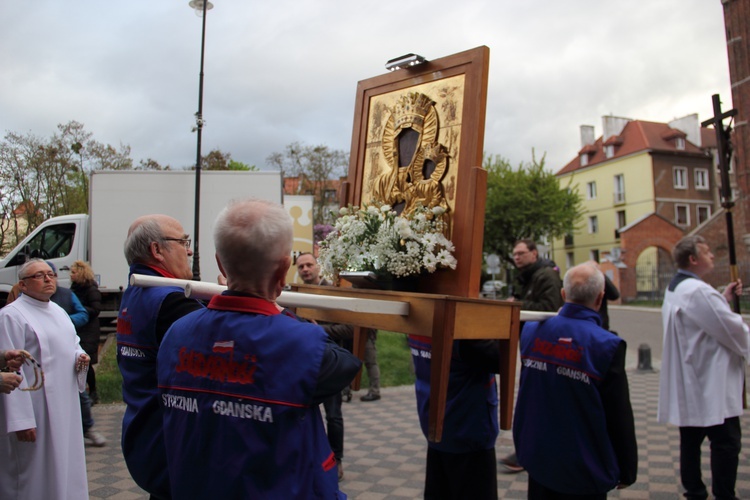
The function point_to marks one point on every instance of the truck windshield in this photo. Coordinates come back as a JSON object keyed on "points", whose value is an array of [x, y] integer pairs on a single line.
{"points": [[52, 242]]}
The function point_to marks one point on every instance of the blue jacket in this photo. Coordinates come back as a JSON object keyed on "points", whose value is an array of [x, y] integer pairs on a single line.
{"points": [[137, 345], [65, 298], [471, 410], [573, 425], [240, 379]]}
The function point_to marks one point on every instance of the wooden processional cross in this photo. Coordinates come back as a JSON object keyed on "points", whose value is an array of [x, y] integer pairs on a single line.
{"points": [[724, 153]]}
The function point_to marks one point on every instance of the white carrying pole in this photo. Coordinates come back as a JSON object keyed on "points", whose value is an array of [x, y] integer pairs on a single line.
{"points": [[536, 315], [144, 280], [205, 290]]}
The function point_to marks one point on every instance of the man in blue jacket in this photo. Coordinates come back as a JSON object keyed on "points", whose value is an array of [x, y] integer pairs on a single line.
{"points": [[573, 426], [156, 245], [244, 380], [463, 464]]}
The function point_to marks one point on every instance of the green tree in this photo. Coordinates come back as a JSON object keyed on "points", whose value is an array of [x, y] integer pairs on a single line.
{"points": [[151, 164], [45, 177], [525, 202], [316, 167], [243, 167], [76, 155], [219, 160], [216, 160]]}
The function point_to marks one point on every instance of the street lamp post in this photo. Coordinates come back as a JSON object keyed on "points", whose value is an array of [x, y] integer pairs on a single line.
{"points": [[200, 7]]}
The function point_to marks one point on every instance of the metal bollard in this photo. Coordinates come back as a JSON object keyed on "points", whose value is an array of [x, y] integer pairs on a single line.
{"points": [[644, 357]]}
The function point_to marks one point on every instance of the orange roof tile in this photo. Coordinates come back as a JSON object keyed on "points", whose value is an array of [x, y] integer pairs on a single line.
{"points": [[636, 136]]}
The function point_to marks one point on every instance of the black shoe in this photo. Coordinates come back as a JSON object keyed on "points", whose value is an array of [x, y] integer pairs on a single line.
{"points": [[370, 397]]}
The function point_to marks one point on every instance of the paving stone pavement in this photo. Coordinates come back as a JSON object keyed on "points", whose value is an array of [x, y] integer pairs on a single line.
{"points": [[385, 451]]}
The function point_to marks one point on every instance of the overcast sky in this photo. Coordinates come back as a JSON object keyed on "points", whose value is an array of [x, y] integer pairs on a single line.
{"points": [[281, 71]]}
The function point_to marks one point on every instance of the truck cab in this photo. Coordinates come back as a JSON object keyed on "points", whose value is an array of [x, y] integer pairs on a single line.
{"points": [[59, 240]]}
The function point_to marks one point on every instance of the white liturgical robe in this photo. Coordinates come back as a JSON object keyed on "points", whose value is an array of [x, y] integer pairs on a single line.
{"points": [[703, 361], [53, 467]]}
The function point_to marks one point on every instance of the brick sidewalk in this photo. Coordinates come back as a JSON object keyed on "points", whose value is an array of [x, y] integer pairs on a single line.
{"points": [[385, 451]]}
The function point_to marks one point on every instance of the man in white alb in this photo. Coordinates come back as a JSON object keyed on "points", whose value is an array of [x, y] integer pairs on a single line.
{"points": [[41, 444], [703, 370]]}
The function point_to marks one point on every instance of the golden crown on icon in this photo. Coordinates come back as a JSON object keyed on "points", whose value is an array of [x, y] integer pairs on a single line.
{"points": [[411, 110]]}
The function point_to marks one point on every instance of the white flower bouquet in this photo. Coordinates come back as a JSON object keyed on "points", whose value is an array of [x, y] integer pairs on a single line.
{"points": [[374, 238]]}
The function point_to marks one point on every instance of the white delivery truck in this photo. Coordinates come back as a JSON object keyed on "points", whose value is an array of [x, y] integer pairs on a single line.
{"points": [[116, 199]]}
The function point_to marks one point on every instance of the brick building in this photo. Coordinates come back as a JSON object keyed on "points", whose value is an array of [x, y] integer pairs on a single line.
{"points": [[325, 194], [658, 229], [643, 185], [737, 26]]}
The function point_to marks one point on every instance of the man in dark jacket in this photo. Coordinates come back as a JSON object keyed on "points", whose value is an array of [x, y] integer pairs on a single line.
{"points": [[574, 430], [538, 284], [463, 464]]}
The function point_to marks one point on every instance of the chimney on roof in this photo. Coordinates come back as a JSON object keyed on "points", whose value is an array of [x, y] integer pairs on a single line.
{"points": [[587, 135], [613, 125], [690, 125]]}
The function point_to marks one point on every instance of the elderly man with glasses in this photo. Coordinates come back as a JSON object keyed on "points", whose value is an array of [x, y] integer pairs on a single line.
{"points": [[242, 381], [41, 443], [156, 245]]}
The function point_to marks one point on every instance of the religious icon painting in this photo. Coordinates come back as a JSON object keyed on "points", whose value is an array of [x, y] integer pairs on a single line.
{"points": [[418, 140]]}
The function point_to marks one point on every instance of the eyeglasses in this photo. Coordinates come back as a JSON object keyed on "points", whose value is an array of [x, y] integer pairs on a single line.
{"points": [[519, 254], [41, 275], [184, 241]]}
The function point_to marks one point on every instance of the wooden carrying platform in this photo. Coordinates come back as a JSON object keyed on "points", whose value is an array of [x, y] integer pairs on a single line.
{"points": [[444, 318]]}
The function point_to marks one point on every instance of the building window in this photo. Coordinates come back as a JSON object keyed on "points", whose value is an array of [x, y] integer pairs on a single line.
{"points": [[680, 143], [609, 151], [682, 215], [591, 190], [594, 255], [593, 224], [701, 178], [619, 194], [330, 195], [621, 221], [679, 177], [569, 260], [704, 213], [584, 159]]}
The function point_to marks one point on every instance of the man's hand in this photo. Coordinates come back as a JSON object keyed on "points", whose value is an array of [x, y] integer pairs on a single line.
{"points": [[27, 436], [14, 359], [83, 362], [733, 288], [9, 382]]}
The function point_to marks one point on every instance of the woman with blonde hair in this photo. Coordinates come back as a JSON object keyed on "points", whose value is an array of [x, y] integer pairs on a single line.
{"points": [[86, 289]]}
